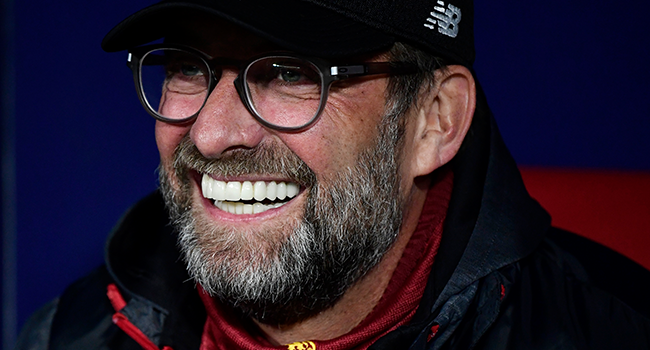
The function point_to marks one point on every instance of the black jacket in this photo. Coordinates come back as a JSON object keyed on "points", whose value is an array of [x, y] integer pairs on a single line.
{"points": [[503, 277]]}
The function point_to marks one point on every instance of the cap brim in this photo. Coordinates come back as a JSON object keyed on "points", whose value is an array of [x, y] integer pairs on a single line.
{"points": [[292, 24]]}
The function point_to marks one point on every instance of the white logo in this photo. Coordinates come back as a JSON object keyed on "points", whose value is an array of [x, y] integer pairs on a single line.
{"points": [[446, 18]]}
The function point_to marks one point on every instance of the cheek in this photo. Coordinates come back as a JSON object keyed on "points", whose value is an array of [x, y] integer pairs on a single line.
{"points": [[168, 136], [347, 127]]}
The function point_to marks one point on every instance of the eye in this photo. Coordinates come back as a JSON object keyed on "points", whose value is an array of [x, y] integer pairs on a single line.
{"points": [[283, 74], [190, 70], [289, 74]]}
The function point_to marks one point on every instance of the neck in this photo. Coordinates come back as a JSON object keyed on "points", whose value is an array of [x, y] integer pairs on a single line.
{"points": [[355, 305]]}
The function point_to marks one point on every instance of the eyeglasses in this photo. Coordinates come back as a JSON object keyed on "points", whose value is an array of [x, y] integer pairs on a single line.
{"points": [[282, 91]]}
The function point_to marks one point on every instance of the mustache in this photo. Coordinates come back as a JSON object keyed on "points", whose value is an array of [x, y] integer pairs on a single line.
{"points": [[269, 158]]}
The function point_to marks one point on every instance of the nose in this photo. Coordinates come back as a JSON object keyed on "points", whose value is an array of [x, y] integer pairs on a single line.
{"points": [[224, 123]]}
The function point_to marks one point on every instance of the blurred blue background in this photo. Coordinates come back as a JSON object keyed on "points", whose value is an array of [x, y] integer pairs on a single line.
{"points": [[568, 81]]}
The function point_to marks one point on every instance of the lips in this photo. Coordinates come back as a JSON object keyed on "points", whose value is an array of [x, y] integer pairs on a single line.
{"points": [[246, 197]]}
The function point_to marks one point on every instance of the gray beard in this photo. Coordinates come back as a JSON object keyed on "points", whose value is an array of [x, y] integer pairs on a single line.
{"points": [[292, 271]]}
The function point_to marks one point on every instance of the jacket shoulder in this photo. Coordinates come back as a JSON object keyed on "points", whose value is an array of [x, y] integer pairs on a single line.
{"points": [[572, 293], [84, 314], [35, 335], [606, 269], [81, 318]]}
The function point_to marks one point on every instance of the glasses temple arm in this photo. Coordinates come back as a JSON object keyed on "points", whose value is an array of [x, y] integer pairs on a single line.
{"points": [[372, 68]]}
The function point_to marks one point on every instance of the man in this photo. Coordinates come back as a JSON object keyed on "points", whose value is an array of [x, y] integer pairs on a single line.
{"points": [[334, 180]]}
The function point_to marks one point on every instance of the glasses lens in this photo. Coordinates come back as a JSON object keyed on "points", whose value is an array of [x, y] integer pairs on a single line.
{"points": [[284, 91], [174, 82]]}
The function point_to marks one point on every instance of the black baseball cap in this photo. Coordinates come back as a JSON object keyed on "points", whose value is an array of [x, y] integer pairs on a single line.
{"points": [[323, 28]]}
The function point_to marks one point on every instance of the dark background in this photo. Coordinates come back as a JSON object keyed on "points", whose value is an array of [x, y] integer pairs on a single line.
{"points": [[568, 81]]}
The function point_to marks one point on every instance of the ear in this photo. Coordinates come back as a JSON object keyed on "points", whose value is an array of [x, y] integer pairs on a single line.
{"points": [[444, 114]]}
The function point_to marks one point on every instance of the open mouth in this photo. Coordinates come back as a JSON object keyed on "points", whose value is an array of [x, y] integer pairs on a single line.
{"points": [[246, 197]]}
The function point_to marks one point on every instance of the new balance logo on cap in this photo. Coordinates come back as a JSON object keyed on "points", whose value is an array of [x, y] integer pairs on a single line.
{"points": [[447, 19]]}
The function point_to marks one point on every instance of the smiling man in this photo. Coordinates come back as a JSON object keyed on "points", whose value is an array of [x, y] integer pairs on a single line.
{"points": [[331, 178]]}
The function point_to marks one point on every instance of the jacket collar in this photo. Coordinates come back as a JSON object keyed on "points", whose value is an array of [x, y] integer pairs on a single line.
{"points": [[509, 224], [492, 220], [142, 257]]}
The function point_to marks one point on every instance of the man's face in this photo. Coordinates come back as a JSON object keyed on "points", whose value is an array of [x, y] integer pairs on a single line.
{"points": [[294, 257]]}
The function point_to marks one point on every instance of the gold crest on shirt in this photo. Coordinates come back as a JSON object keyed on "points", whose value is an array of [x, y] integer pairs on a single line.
{"points": [[301, 345]]}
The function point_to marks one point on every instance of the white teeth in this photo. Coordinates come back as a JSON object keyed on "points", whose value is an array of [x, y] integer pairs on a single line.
{"points": [[204, 186], [218, 190], [271, 188], [233, 191], [246, 191], [292, 189], [228, 195], [260, 190], [282, 190], [241, 208], [259, 208]]}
